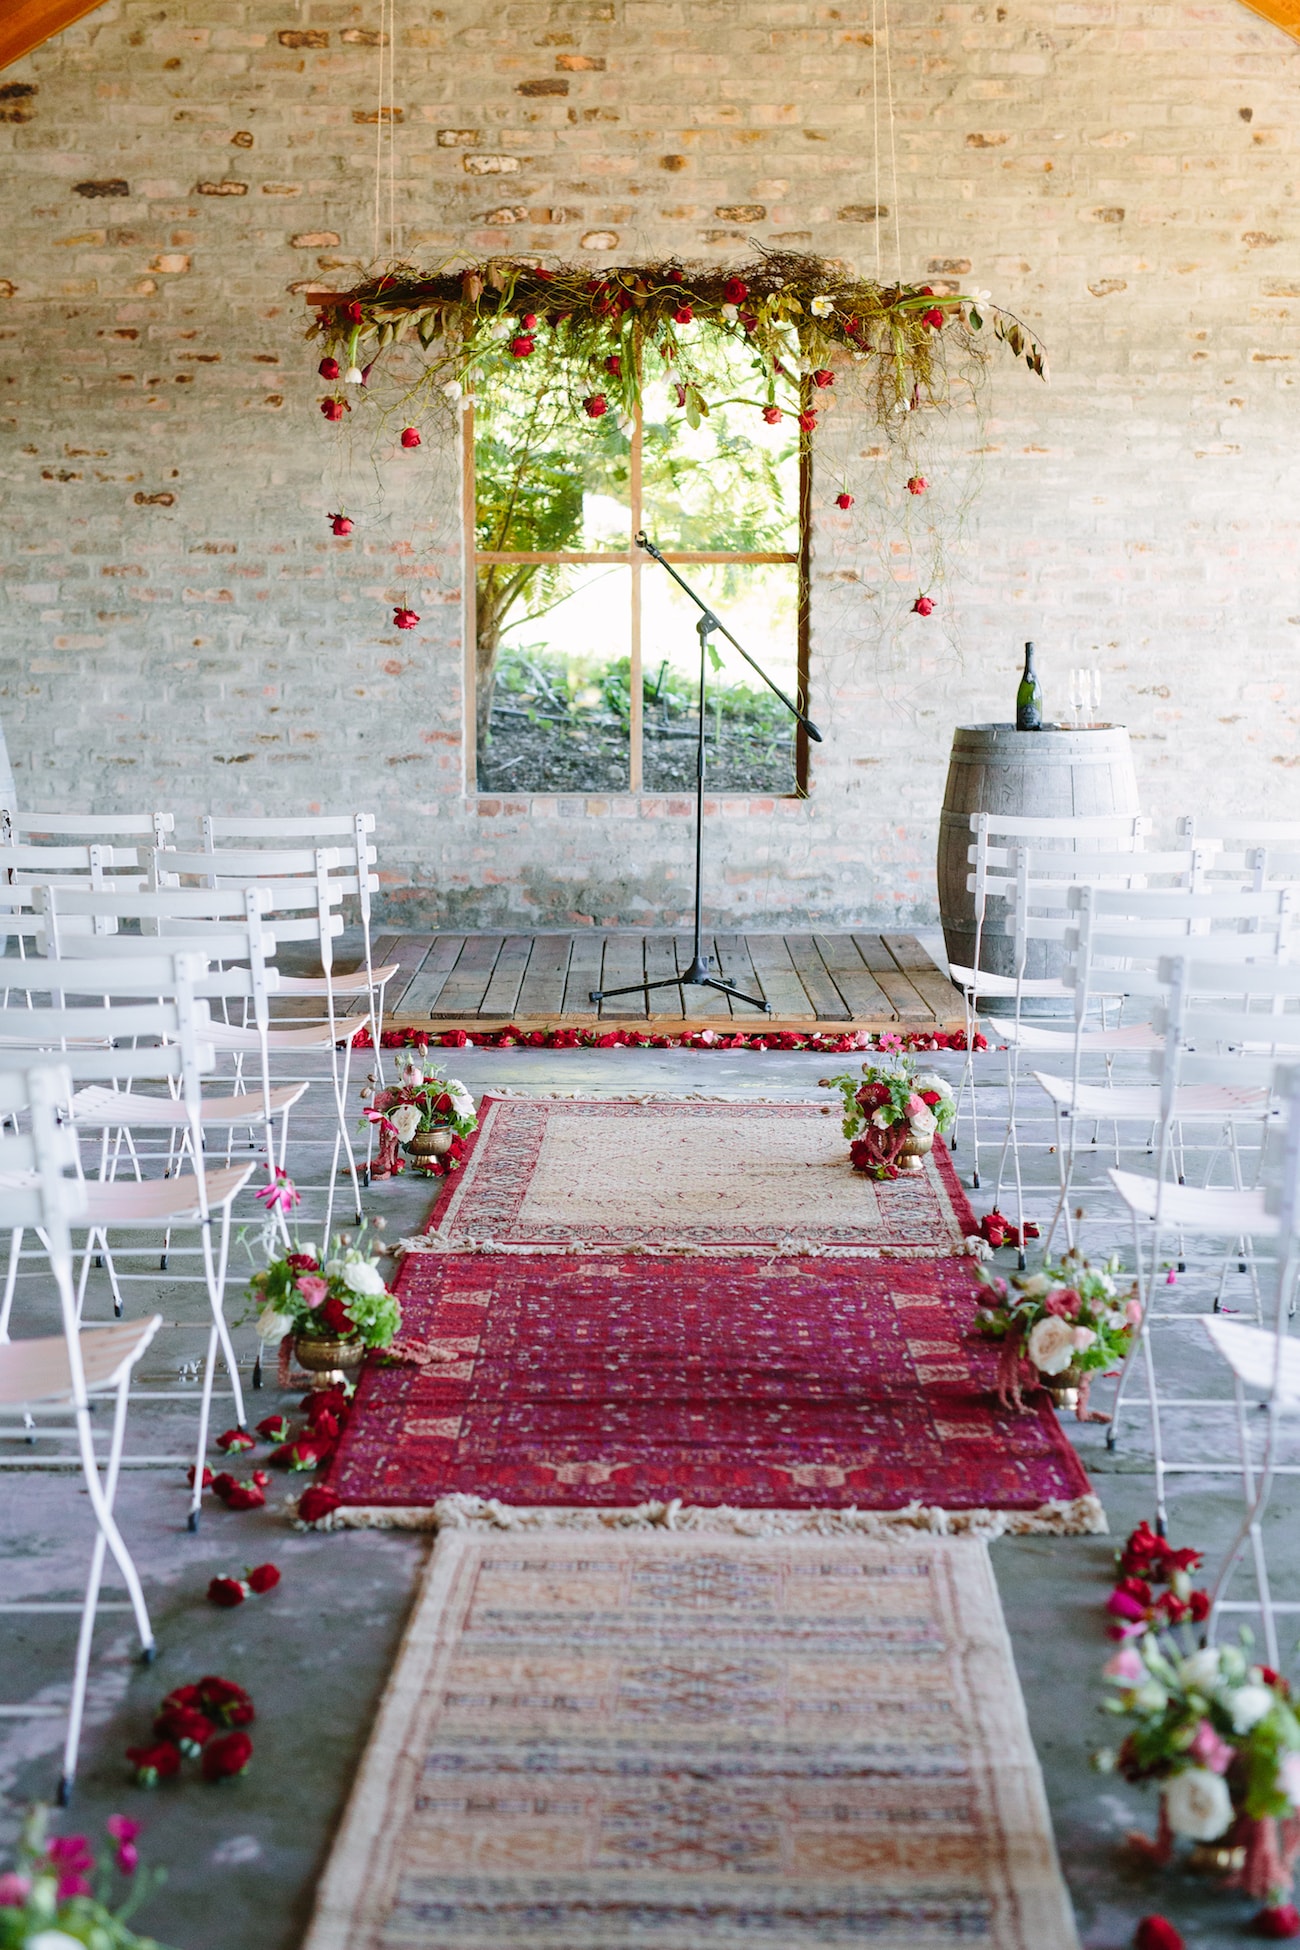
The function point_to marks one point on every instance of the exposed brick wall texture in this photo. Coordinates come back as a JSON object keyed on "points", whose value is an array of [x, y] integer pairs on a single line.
{"points": [[177, 627]]}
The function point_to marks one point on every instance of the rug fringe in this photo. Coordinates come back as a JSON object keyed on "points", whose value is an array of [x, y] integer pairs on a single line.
{"points": [[1080, 1516]]}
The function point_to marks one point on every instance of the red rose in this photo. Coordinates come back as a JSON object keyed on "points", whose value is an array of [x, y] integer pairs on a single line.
{"points": [[410, 437], [305, 1453], [336, 1317], [1278, 1920], [235, 1439], [154, 1764], [807, 420], [328, 368], [1157, 1933], [822, 377], [223, 1700], [922, 606], [405, 619], [683, 315], [260, 1478], [226, 1757], [262, 1578], [237, 1496], [917, 484], [208, 1478], [614, 365], [302, 1262], [522, 347], [735, 291], [933, 318], [595, 406], [529, 321], [1136, 1588], [226, 1592], [1198, 1606], [352, 313], [326, 1401], [341, 526], [772, 415], [317, 1503], [326, 1427], [930, 1097], [186, 1726], [181, 1696], [844, 501], [333, 409], [275, 1428], [749, 321]]}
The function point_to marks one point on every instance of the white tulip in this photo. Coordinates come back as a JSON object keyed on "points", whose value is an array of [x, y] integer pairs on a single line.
{"points": [[354, 376], [1198, 1804]]}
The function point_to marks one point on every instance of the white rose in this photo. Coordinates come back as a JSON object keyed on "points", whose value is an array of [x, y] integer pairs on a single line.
{"points": [[1199, 1672], [362, 1276], [461, 1098], [931, 1080], [52, 1940], [730, 313], [1248, 1705], [1197, 1804], [1051, 1345], [1289, 1778], [272, 1326], [1082, 1337], [923, 1122], [1037, 1287], [405, 1120]]}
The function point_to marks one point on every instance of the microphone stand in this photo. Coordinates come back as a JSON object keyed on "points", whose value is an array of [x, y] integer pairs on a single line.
{"points": [[699, 975]]}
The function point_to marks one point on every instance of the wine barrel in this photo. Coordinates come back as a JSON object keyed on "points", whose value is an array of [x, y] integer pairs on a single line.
{"points": [[1055, 773]]}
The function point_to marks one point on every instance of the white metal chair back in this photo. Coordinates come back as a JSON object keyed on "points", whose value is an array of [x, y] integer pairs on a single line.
{"points": [[150, 829]]}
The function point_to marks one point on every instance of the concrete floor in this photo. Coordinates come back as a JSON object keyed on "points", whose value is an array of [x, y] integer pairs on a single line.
{"points": [[243, 1859]]}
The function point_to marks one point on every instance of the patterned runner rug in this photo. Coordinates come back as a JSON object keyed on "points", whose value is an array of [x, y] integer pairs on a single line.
{"points": [[612, 1742], [779, 1384], [687, 1175]]}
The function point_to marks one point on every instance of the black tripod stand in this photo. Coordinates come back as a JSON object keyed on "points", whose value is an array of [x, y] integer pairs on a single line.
{"points": [[697, 976]]}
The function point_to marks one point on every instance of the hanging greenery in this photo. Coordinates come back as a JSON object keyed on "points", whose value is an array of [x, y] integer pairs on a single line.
{"points": [[589, 334]]}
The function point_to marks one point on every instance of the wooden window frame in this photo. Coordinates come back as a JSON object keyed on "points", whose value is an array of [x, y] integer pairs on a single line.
{"points": [[636, 561]]}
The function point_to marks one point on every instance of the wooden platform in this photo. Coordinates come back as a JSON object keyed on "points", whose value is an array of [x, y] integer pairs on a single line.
{"points": [[864, 980]]}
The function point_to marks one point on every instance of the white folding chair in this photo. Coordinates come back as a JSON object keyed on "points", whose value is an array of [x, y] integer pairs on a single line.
{"points": [[149, 829], [1266, 1361], [994, 974], [61, 1373], [1225, 1025], [118, 1040]]}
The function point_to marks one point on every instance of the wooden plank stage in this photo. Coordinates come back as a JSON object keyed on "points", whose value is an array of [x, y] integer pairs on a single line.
{"points": [[854, 980]]}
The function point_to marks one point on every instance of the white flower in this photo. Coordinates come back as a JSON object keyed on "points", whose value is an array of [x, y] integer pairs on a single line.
{"points": [[1289, 1778], [52, 1940], [363, 1276], [272, 1326], [731, 313], [822, 306], [413, 1075], [803, 367], [500, 328], [1199, 1672], [453, 389], [924, 1123], [1198, 1804], [977, 1248], [354, 376], [1037, 1287], [1082, 1337], [881, 1119], [1051, 1345], [981, 297], [462, 1102], [1248, 1705], [405, 1120], [931, 1080]]}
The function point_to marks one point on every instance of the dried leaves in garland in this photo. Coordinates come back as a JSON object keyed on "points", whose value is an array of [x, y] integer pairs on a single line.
{"points": [[589, 334]]}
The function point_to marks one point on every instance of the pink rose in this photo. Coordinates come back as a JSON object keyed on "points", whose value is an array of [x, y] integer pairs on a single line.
{"points": [[1064, 1303], [1126, 1666], [1121, 1605], [1212, 1751], [312, 1288], [14, 1890]]}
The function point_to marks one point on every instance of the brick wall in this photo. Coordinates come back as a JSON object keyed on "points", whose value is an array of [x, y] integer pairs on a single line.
{"points": [[177, 628]]}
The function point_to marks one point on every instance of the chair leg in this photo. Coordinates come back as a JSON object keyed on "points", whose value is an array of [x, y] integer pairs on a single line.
{"points": [[1112, 1433], [205, 1415], [216, 1283], [11, 1281]]}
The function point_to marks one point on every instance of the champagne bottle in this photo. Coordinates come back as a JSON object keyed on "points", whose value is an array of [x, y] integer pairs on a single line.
{"points": [[1029, 696]]}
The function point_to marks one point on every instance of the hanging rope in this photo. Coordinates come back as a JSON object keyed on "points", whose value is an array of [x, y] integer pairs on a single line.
{"points": [[875, 118], [385, 119], [893, 150]]}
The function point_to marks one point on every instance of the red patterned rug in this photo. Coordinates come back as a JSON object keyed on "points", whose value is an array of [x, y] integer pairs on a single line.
{"points": [[822, 1384], [687, 1175]]}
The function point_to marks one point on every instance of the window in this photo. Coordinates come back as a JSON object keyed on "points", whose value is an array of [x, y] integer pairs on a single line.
{"points": [[586, 658]]}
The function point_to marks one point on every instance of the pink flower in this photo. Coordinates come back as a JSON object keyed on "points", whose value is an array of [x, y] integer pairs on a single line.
{"points": [[72, 1859], [844, 501], [917, 484], [312, 1288], [891, 1041], [410, 437], [1212, 1751], [1133, 1313], [1121, 1605], [128, 1858], [405, 619], [1171, 1278], [1064, 1303], [922, 606], [122, 1828], [915, 1105], [282, 1195], [1126, 1666], [14, 1890]]}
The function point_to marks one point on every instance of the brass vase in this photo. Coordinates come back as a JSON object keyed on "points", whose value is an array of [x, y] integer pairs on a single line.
{"points": [[1062, 1388], [914, 1150], [326, 1356], [430, 1144]]}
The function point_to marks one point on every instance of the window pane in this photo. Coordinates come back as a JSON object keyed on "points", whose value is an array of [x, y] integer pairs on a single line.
{"points": [[749, 734], [733, 481], [545, 478], [559, 709]]}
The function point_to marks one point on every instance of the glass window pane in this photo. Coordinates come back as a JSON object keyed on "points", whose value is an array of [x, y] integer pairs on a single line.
{"points": [[732, 482], [749, 734], [558, 697], [545, 479]]}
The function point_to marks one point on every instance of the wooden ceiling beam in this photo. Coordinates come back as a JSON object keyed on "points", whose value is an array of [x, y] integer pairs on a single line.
{"points": [[24, 24]]}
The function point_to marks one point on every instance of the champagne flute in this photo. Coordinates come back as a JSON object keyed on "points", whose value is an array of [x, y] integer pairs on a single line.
{"points": [[1078, 695], [1094, 695]]}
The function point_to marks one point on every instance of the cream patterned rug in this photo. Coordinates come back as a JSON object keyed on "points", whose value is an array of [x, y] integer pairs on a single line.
{"points": [[618, 1742], [687, 1175]]}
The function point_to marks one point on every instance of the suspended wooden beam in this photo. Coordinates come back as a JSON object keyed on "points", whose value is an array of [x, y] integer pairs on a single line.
{"points": [[1283, 13], [25, 24]]}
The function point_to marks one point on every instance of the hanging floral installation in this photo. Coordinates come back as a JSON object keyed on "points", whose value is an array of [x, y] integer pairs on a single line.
{"points": [[589, 333]]}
